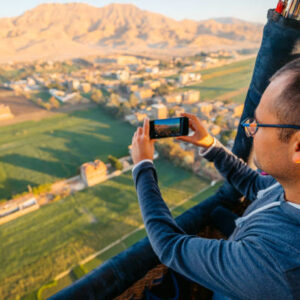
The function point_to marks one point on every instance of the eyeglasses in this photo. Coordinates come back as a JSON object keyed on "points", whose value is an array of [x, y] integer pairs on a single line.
{"points": [[251, 126]]}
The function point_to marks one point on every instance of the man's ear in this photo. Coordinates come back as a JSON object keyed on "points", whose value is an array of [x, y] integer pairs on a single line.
{"points": [[296, 148]]}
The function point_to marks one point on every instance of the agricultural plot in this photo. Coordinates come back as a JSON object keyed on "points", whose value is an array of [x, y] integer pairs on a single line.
{"points": [[227, 79], [39, 246], [34, 153]]}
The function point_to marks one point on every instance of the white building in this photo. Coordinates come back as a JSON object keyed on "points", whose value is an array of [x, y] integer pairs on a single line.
{"points": [[61, 95], [159, 111], [123, 75]]}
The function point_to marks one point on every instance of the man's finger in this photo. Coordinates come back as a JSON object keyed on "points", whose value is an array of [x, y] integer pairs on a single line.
{"points": [[146, 127], [191, 116], [192, 125], [139, 131], [185, 139]]}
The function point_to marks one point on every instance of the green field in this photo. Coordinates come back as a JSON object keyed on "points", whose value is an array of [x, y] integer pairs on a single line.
{"points": [[34, 153], [224, 80], [40, 245], [135, 237], [37, 247]]}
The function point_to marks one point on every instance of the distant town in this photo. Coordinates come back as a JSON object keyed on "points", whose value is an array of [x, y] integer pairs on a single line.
{"points": [[129, 87], [135, 87]]}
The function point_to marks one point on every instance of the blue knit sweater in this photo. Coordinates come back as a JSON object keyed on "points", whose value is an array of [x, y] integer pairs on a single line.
{"points": [[261, 258]]}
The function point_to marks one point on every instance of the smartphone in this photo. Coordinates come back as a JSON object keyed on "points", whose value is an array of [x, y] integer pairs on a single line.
{"points": [[163, 128]]}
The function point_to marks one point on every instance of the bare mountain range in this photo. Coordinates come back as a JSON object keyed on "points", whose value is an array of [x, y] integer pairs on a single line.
{"points": [[59, 31]]}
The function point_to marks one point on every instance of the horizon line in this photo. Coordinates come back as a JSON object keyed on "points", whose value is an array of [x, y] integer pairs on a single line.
{"points": [[117, 3]]}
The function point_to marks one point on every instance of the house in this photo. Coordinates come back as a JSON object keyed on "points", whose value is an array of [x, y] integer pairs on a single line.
{"points": [[178, 110], [233, 123], [205, 108], [154, 70], [123, 75], [93, 172], [85, 87], [133, 88], [173, 98], [132, 119], [17, 207], [159, 111], [73, 85], [214, 129], [143, 93], [61, 95], [140, 116], [127, 60], [5, 112], [191, 96], [154, 84], [237, 109], [185, 78]]}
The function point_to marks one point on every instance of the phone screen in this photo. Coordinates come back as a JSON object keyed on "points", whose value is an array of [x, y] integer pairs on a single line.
{"points": [[167, 127]]}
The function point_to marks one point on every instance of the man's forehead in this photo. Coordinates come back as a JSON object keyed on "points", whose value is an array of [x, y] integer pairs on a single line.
{"points": [[278, 85], [262, 108], [267, 104]]}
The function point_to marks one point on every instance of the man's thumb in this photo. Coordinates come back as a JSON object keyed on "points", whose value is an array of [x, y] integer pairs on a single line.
{"points": [[184, 138]]}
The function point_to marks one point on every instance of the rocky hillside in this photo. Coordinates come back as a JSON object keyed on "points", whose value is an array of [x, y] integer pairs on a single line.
{"points": [[69, 30]]}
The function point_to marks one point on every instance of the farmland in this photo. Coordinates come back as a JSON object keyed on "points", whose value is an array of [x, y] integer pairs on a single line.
{"points": [[34, 153], [224, 80], [38, 246]]}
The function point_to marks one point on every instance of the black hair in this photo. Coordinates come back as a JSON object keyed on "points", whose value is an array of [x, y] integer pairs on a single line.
{"points": [[287, 104]]}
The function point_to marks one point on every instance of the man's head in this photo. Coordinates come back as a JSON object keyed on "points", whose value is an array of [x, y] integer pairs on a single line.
{"points": [[277, 151]]}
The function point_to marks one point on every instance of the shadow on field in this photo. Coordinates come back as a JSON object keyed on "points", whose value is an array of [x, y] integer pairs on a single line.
{"points": [[32, 163], [127, 181], [86, 147], [11, 186], [68, 159], [114, 198], [212, 88]]}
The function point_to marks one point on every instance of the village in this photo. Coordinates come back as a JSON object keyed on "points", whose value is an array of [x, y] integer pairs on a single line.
{"points": [[131, 88], [135, 87]]}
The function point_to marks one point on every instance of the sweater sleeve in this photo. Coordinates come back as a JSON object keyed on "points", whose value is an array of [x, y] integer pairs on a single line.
{"points": [[233, 268], [246, 180]]}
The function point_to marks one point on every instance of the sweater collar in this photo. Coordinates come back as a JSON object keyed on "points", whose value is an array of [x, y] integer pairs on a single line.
{"points": [[291, 211]]}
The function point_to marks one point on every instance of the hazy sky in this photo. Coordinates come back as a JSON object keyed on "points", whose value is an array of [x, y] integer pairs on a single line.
{"points": [[252, 10]]}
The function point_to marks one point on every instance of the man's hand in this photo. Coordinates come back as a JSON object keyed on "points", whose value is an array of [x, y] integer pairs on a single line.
{"points": [[201, 137], [142, 146]]}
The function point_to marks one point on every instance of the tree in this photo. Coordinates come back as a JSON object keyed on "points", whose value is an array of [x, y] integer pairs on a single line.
{"points": [[114, 100], [47, 106], [162, 90], [54, 102], [171, 112], [116, 164], [57, 85], [124, 109], [40, 102], [97, 96], [133, 100], [179, 64], [227, 135], [219, 120]]}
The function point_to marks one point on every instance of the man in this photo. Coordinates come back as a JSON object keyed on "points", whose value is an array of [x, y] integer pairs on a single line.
{"points": [[261, 258], [280, 45]]}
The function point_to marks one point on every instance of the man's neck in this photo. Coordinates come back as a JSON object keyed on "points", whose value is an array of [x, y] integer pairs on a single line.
{"points": [[292, 192]]}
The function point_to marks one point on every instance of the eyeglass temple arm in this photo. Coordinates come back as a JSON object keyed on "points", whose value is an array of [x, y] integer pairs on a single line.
{"points": [[273, 125]]}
